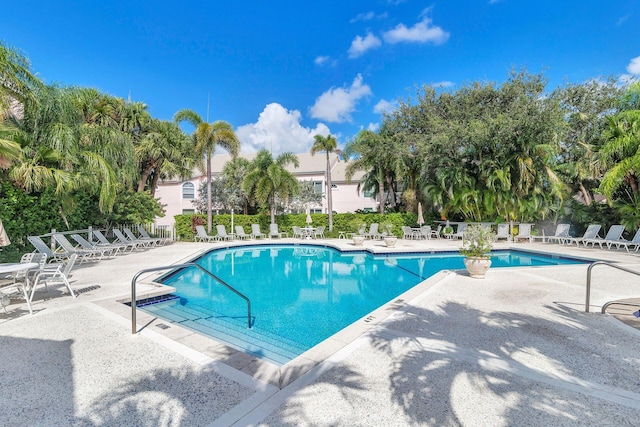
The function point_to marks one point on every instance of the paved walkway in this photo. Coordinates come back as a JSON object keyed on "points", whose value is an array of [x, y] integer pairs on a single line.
{"points": [[515, 348]]}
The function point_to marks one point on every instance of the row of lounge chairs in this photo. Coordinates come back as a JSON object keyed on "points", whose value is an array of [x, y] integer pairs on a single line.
{"points": [[592, 237], [256, 233], [99, 247]]}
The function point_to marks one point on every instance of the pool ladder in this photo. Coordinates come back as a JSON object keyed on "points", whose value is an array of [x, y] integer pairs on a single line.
{"points": [[604, 307], [134, 329]]}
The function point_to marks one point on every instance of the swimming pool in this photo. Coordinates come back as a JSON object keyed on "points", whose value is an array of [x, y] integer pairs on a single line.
{"points": [[300, 294]]}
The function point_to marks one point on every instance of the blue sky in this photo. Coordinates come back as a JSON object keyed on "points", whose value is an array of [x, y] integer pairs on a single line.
{"points": [[282, 71]]}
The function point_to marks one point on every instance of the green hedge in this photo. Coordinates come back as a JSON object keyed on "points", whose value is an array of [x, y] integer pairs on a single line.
{"points": [[185, 224]]}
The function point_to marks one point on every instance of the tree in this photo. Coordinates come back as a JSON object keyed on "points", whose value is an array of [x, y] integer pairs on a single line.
{"points": [[269, 179], [17, 82], [328, 144], [307, 197], [207, 137]]}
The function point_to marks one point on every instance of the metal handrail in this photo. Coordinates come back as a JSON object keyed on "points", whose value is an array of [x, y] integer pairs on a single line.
{"points": [[586, 307], [173, 267]]}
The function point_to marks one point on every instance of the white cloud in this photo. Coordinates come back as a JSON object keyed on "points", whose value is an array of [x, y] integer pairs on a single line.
{"points": [[337, 104], [443, 84], [278, 130], [634, 66], [422, 32], [360, 45], [321, 60], [384, 106], [368, 16], [373, 127]]}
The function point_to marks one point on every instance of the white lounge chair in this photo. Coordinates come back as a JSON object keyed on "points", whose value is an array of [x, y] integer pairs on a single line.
{"points": [[562, 232], [57, 255], [591, 232], [85, 244], [613, 235], [103, 241], [524, 232], [256, 233], [222, 233], [373, 232], [503, 232], [436, 233], [145, 235], [628, 243], [123, 239], [153, 242], [240, 234], [462, 227], [83, 254], [273, 231], [202, 236]]}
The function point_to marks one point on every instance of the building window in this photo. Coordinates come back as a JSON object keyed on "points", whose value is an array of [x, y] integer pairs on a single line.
{"points": [[188, 190], [368, 193], [317, 186], [188, 211]]}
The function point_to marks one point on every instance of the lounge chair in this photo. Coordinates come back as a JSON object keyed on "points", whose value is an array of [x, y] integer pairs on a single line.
{"points": [[153, 242], [56, 272], [524, 233], [373, 232], [256, 233], [562, 232], [273, 231], [83, 254], [202, 236], [613, 235], [136, 243], [503, 232], [85, 244], [591, 232], [222, 233], [145, 235], [240, 234], [627, 243], [297, 232], [103, 241], [462, 227], [57, 255], [436, 233], [319, 232]]}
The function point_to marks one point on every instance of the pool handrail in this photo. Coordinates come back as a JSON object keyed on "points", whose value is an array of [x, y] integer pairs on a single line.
{"points": [[586, 306], [134, 328]]}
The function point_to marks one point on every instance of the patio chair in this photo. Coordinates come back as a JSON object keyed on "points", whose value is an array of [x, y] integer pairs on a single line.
{"points": [[407, 232], [151, 241], [627, 243], [373, 232], [613, 235], [103, 241], [240, 234], [562, 232], [503, 232], [83, 254], [202, 236], [591, 232], [222, 233], [57, 272], [145, 235], [436, 233], [319, 232], [57, 255], [20, 281], [273, 231], [297, 232], [256, 233], [136, 243], [85, 244], [424, 233]]}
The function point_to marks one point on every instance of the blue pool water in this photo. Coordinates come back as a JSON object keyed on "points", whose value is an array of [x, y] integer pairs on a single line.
{"points": [[300, 294]]}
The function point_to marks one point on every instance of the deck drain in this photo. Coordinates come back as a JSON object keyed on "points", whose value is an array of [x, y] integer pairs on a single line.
{"points": [[162, 326], [87, 289]]}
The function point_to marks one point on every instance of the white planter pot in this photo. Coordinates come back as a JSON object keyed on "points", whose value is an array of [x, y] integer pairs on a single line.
{"points": [[390, 241], [358, 240], [477, 266]]}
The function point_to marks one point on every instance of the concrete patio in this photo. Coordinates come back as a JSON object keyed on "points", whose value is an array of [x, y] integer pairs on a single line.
{"points": [[516, 348]]}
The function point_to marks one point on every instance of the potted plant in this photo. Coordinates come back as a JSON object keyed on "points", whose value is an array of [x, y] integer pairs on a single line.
{"points": [[360, 227], [389, 238], [476, 247]]}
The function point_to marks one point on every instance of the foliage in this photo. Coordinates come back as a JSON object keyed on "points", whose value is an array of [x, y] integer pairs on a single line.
{"points": [[478, 241], [328, 144], [307, 197]]}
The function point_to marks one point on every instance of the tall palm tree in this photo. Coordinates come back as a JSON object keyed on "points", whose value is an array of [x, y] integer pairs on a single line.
{"points": [[16, 79], [328, 144], [268, 178], [207, 137]]}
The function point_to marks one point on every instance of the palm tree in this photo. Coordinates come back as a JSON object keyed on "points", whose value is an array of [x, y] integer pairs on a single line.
{"points": [[207, 137], [268, 178], [17, 82], [328, 144], [165, 149]]}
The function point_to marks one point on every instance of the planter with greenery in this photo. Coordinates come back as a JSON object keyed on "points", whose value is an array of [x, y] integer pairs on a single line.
{"points": [[387, 231], [476, 247]]}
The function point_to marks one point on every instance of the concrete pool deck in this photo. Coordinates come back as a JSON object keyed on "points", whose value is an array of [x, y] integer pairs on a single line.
{"points": [[515, 348]]}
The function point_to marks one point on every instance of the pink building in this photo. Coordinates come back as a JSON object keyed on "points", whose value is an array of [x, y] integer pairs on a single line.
{"points": [[177, 195]]}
